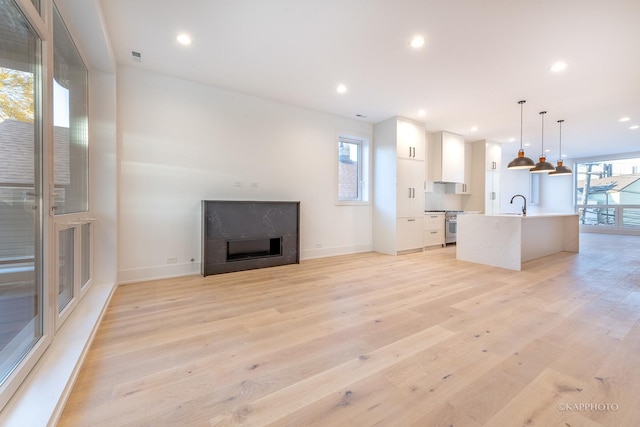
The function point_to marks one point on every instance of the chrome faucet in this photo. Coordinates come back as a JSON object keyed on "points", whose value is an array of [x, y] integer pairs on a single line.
{"points": [[524, 207]]}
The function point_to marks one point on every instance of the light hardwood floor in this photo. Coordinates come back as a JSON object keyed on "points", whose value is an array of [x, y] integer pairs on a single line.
{"points": [[371, 339]]}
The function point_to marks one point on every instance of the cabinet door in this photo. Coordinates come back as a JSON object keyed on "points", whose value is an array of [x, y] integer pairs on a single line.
{"points": [[410, 188], [410, 233], [493, 156], [453, 150], [410, 141], [465, 188], [405, 190], [492, 193]]}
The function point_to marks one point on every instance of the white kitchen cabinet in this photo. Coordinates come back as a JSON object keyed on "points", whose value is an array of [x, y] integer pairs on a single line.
{"points": [[492, 193], [485, 175], [410, 141], [448, 157], [493, 155], [465, 186], [410, 188], [399, 182], [434, 229], [410, 233]]}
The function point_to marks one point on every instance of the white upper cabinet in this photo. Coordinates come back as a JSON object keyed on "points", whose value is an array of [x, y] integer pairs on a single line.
{"points": [[448, 157], [410, 141], [493, 156]]}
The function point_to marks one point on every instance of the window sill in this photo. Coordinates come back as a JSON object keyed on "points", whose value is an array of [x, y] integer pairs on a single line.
{"points": [[40, 399], [352, 203]]}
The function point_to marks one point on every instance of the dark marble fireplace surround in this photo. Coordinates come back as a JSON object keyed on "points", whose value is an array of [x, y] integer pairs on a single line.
{"points": [[244, 235]]}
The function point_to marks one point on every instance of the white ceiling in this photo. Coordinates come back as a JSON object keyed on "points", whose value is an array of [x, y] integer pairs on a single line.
{"points": [[480, 58]]}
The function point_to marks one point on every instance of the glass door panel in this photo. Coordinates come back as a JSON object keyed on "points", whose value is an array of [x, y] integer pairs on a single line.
{"points": [[66, 267], [21, 320]]}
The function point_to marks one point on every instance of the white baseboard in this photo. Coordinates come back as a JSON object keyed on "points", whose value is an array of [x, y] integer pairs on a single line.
{"points": [[159, 272], [334, 251]]}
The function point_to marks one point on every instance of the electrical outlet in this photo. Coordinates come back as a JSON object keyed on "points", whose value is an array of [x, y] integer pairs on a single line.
{"points": [[172, 260]]}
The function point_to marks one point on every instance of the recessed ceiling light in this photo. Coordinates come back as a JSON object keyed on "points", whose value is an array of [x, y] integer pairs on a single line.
{"points": [[547, 151], [417, 42], [341, 89], [184, 39], [558, 66], [422, 113], [625, 119], [512, 139], [474, 128], [634, 127], [527, 144]]}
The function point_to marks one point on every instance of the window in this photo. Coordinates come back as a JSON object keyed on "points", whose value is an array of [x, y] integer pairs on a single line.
{"points": [[70, 128], [70, 171], [608, 193], [352, 169], [21, 290]]}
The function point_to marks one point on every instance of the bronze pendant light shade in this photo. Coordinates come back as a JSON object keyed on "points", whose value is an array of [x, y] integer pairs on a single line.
{"points": [[560, 168], [521, 162], [543, 166]]}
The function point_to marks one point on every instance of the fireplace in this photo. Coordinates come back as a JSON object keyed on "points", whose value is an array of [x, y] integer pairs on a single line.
{"points": [[239, 249], [243, 235]]}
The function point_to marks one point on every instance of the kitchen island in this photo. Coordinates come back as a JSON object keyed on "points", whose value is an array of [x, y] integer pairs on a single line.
{"points": [[507, 241]]}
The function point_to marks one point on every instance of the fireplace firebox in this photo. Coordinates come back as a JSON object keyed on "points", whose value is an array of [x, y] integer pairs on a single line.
{"points": [[253, 248]]}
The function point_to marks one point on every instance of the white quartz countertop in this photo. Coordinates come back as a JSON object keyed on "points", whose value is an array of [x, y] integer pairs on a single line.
{"points": [[519, 215], [536, 215]]}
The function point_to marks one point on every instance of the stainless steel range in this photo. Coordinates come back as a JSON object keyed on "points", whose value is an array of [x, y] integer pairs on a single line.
{"points": [[450, 226]]}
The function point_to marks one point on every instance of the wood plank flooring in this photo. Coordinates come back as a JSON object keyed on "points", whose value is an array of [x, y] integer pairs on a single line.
{"points": [[369, 339]]}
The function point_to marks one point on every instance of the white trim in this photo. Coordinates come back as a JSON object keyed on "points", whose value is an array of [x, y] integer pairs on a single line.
{"points": [[158, 272], [306, 254]]}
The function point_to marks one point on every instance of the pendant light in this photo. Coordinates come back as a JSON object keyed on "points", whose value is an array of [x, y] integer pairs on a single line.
{"points": [[521, 162], [543, 166], [561, 169]]}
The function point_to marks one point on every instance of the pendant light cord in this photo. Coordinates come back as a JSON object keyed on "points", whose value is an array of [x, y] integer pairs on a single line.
{"points": [[542, 113], [560, 122], [521, 108]]}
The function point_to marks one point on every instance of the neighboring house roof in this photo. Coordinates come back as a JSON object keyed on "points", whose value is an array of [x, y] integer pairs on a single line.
{"points": [[609, 184], [17, 149]]}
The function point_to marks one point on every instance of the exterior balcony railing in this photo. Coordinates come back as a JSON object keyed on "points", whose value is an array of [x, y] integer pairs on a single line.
{"points": [[615, 218]]}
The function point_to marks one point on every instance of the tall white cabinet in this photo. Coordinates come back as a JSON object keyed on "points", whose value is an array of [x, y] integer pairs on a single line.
{"points": [[399, 182], [486, 175]]}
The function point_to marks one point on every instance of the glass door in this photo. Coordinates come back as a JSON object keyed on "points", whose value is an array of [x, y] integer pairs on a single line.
{"points": [[21, 292]]}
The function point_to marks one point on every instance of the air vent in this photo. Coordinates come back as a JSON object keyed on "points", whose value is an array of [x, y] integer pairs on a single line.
{"points": [[362, 116], [137, 56]]}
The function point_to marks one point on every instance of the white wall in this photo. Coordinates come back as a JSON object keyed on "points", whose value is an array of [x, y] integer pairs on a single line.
{"points": [[181, 142], [103, 169]]}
